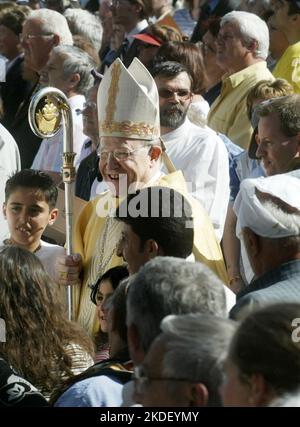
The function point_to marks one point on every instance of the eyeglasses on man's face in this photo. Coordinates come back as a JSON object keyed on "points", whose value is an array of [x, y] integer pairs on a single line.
{"points": [[120, 155], [183, 94], [117, 3], [31, 37], [142, 381]]}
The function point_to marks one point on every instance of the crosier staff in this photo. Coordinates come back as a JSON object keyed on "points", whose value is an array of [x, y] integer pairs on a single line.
{"points": [[49, 110]]}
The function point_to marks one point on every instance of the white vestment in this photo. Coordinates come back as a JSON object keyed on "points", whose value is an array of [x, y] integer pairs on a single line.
{"points": [[202, 157]]}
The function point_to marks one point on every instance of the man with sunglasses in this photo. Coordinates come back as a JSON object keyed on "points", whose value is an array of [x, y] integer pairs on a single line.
{"points": [[197, 151]]}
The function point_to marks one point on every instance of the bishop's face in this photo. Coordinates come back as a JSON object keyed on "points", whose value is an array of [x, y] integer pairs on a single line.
{"points": [[125, 164]]}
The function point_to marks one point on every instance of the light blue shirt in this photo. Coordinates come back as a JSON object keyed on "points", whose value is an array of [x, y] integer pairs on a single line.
{"points": [[99, 391]]}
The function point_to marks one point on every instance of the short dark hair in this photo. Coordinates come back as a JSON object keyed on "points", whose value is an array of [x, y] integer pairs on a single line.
{"points": [[263, 343], [169, 69], [188, 55], [164, 215], [30, 178]]}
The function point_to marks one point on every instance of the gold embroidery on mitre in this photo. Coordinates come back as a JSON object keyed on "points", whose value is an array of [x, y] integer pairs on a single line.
{"points": [[112, 92], [129, 128]]}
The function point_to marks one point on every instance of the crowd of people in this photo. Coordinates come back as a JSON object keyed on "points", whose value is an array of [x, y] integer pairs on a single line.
{"points": [[184, 273]]}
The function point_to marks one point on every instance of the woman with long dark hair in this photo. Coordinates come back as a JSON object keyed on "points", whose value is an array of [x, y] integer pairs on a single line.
{"points": [[41, 344]]}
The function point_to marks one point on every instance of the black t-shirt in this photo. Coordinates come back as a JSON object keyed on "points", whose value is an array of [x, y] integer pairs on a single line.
{"points": [[16, 391]]}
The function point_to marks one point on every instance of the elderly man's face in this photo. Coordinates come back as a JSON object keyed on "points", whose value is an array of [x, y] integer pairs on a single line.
{"points": [[37, 46], [125, 163], [275, 148], [154, 390], [174, 99], [231, 49]]}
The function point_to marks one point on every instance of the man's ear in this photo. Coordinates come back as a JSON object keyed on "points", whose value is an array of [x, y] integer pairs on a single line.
{"points": [[151, 248], [136, 350], [198, 395], [73, 80], [260, 392], [252, 241], [4, 210], [252, 46], [53, 216]]}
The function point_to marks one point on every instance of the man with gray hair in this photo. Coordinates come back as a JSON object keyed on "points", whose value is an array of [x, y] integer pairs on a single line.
{"points": [[268, 212], [43, 29], [82, 22], [242, 49], [184, 366], [69, 69]]}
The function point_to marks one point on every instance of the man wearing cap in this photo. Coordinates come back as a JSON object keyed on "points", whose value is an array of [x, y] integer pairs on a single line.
{"points": [[130, 153], [287, 19], [268, 213]]}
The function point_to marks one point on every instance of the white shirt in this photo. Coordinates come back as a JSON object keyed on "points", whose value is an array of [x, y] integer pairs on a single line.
{"points": [[202, 157], [49, 156], [9, 164], [198, 112], [136, 30]]}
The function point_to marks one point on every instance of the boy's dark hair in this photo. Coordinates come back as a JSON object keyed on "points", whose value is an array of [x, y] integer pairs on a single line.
{"points": [[30, 178], [115, 275], [173, 232]]}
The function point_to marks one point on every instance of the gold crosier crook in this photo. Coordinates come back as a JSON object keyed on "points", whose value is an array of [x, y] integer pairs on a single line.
{"points": [[49, 111]]}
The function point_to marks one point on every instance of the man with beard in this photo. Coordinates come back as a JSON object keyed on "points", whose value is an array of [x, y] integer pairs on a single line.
{"points": [[198, 152]]}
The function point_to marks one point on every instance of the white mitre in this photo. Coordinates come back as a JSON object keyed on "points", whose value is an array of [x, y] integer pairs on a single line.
{"points": [[128, 102]]}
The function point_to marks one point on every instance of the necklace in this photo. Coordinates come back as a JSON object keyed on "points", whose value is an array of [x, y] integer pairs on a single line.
{"points": [[8, 242]]}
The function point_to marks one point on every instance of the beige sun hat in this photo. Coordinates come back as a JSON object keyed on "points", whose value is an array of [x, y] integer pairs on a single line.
{"points": [[128, 102]]}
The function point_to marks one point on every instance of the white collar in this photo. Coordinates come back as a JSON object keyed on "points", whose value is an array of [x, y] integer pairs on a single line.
{"points": [[136, 30]]}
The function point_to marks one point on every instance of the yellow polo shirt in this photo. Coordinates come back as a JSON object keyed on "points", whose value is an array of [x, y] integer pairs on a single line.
{"points": [[288, 66], [228, 114]]}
